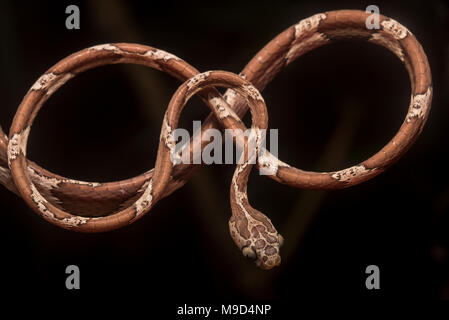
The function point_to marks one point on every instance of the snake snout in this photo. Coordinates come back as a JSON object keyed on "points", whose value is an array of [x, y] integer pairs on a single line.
{"points": [[249, 253], [269, 263], [281, 240], [262, 261]]}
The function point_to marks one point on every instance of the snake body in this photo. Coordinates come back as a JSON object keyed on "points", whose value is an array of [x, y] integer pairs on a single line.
{"points": [[96, 207]]}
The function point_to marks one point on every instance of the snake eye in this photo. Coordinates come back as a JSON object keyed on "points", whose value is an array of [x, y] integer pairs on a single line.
{"points": [[249, 253], [281, 241]]}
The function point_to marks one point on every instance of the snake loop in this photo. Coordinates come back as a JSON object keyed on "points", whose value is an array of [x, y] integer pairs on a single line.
{"points": [[250, 229], [96, 207]]}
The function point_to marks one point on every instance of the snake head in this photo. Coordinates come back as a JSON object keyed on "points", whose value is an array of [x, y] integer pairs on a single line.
{"points": [[258, 240], [265, 255]]}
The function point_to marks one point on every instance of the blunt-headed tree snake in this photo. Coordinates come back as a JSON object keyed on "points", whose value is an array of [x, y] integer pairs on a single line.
{"points": [[97, 207]]}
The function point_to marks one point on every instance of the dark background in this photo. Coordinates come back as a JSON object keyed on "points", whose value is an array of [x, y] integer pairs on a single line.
{"points": [[344, 102]]}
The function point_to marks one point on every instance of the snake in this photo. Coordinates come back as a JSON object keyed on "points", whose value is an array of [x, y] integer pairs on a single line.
{"points": [[100, 207]]}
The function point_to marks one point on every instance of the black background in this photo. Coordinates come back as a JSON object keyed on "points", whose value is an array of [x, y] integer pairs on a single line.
{"points": [[344, 102]]}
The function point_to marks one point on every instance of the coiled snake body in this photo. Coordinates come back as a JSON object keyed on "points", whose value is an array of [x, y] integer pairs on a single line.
{"points": [[96, 207]]}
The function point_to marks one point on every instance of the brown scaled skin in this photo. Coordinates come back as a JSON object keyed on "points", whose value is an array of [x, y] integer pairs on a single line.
{"points": [[98, 207], [251, 230], [259, 245], [101, 200]]}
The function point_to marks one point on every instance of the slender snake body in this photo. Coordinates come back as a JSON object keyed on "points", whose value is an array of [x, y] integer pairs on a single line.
{"points": [[107, 206]]}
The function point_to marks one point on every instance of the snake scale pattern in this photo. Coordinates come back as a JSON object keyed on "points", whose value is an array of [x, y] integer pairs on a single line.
{"points": [[98, 207]]}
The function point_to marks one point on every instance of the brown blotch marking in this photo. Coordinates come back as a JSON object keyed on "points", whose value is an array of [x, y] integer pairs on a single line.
{"points": [[242, 226], [352, 33], [138, 50], [270, 238], [343, 24], [267, 236], [260, 244], [259, 216], [255, 232], [270, 250]]}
